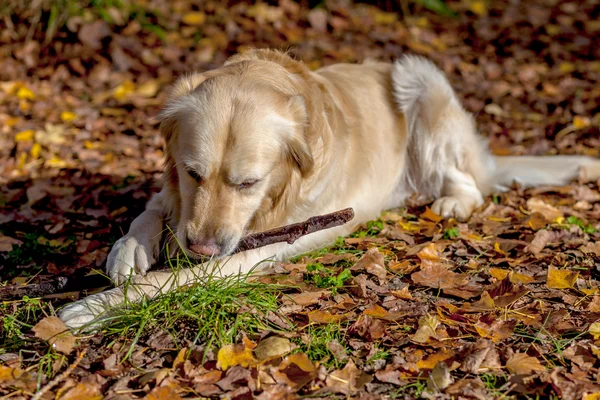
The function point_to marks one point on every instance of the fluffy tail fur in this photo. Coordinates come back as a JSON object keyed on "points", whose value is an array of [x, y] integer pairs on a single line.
{"points": [[531, 171], [445, 152]]}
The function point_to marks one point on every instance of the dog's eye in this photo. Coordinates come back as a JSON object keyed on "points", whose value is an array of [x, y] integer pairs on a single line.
{"points": [[247, 184], [195, 176]]}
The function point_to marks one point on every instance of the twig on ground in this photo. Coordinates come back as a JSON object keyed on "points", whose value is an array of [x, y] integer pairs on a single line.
{"points": [[287, 233], [60, 377]]}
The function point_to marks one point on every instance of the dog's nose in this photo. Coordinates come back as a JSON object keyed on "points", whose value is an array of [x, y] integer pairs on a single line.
{"points": [[204, 247]]}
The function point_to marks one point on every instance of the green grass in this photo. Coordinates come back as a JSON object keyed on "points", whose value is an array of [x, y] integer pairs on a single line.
{"points": [[18, 317], [572, 220], [327, 278], [214, 311], [314, 343], [451, 233]]}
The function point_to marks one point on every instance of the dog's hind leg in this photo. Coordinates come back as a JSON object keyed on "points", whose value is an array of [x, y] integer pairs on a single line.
{"points": [[446, 158]]}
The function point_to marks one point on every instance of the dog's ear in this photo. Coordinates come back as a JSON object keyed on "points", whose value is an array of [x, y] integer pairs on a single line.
{"points": [[297, 142], [168, 119]]}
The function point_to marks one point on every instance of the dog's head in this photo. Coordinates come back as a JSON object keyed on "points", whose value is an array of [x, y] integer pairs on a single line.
{"points": [[236, 140]]}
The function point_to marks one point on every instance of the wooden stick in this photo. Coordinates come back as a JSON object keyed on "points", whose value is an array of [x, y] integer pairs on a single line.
{"points": [[288, 233]]}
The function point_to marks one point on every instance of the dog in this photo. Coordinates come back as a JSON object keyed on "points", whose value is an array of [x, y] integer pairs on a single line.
{"points": [[263, 142]]}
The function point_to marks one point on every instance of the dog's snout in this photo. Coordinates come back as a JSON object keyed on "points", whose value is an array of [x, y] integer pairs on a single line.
{"points": [[205, 247]]}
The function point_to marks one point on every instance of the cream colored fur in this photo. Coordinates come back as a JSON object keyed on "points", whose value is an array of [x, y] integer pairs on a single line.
{"points": [[275, 144]]}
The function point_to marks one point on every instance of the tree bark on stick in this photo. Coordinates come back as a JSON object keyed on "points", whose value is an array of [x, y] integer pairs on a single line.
{"points": [[289, 233]]}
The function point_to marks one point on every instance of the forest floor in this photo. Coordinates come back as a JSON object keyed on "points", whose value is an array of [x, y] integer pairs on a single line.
{"points": [[504, 305]]}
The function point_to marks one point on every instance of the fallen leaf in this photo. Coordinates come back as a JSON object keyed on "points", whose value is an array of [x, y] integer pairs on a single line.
{"points": [[522, 364], [403, 293], [194, 18], [7, 243], [561, 278], [348, 380], [367, 328], [594, 330], [86, 391], [271, 348], [296, 370], [438, 276], [549, 212], [434, 359], [25, 136], [428, 325], [372, 262], [439, 378], [325, 317], [430, 215], [55, 332], [307, 298], [235, 354]]}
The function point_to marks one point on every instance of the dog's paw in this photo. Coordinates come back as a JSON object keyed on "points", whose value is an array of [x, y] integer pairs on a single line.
{"points": [[129, 256], [453, 207], [86, 314]]}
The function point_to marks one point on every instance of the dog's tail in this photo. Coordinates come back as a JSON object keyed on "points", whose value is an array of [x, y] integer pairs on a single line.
{"points": [[442, 134], [530, 171]]}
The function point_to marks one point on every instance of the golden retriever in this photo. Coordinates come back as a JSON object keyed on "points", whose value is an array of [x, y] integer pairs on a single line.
{"points": [[263, 142]]}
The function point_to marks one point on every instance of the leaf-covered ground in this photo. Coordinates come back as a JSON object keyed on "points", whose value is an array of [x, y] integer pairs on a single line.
{"points": [[411, 305]]}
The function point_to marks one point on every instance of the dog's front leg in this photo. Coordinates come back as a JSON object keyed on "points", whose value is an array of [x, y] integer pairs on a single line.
{"points": [[89, 312], [137, 251]]}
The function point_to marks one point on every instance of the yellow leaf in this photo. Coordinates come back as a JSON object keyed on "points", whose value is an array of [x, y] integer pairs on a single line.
{"points": [[498, 249], [515, 277], [123, 91], [478, 7], [427, 328], [595, 330], [561, 278], [566, 67], [148, 89], [409, 226], [235, 354], [385, 18], [195, 18], [11, 121], [581, 122], [24, 93], [22, 160], [35, 150], [430, 215], [67, 116], [56, 162], [24, 136]]}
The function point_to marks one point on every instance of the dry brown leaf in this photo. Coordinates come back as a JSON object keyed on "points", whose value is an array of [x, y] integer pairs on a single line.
{"points": [[428, 325], [348, 380], [272, 347], [376, 311], [55, 332], [561, 278], [431, 361], [7, 243], [429, 254], [549, 212], [403, 293], [372, 262], [498, 331], [522, 364], [295, 370], [86, 391], [325, 317], [307, 298], [367, 328], [438, 276], [168, 392], [439, 378]]}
